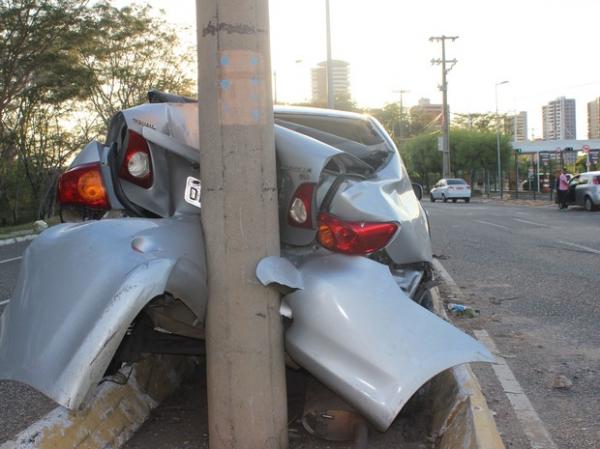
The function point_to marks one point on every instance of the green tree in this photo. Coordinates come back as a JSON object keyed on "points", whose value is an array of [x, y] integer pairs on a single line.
{"points": [[132, 52]]}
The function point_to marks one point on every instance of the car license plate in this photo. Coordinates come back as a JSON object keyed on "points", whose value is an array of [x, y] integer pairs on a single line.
{"points": [[192, 191]]}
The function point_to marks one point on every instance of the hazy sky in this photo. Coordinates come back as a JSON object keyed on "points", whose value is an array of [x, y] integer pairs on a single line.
{"points": [[544, 48]]}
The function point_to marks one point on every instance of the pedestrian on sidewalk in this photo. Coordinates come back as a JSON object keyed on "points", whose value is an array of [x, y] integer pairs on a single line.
{"points": [[563, 189]]}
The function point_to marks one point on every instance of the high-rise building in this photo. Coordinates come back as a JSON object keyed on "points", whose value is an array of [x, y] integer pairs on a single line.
{"points": [[340, 71], [559, 119], [516, 126], [593, 108], [431, 113]]}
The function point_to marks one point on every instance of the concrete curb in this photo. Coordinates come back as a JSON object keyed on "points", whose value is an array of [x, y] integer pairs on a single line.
{"points": [[113, 412], [11, 239], [461, 417]]}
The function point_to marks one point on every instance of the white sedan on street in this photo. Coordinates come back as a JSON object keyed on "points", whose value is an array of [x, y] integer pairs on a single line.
{"points": [[451, 189]]}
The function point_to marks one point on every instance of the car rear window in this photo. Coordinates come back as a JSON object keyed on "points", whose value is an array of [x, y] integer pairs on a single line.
{"points": [[454, 182], [352, 135]]}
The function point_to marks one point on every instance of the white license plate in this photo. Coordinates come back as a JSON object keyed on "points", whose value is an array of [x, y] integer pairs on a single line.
{"points": [[192, 191]]}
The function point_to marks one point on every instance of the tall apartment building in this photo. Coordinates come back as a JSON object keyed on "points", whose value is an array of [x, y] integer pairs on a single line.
{"points": [[516, 126], [432, 113], [340, 71], [559, 119], [593, 108]]}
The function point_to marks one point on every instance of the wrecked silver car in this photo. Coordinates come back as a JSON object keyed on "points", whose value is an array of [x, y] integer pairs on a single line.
{"points": [[127, 279]]}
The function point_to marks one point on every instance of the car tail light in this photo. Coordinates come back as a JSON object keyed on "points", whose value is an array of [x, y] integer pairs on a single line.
{"points": [[353, 237], [596, 180], [137, 163], [83, 186], [300, 211]]}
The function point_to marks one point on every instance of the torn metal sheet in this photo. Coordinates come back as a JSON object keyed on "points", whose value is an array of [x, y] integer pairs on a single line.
{"points": [[384, 346]]}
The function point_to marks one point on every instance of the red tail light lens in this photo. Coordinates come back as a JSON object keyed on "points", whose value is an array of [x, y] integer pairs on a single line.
{"points": [[300, 211], [352, 237], [596, 180], [83, 186], [137, 164]]}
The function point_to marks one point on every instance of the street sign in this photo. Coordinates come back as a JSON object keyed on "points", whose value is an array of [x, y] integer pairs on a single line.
{"points": [[441, 143]]}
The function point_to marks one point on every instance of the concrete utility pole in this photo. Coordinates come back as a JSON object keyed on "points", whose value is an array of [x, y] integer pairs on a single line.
{"points": [[244, 337], [401, 92], [444, 89], [329, 68]]}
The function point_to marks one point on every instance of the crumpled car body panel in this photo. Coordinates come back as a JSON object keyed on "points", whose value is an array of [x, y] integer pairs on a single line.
{"points": [[383, 346], [79, 289]]}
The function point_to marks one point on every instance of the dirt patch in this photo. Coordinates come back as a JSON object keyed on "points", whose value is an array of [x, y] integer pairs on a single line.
{"points": [[181, 422]]}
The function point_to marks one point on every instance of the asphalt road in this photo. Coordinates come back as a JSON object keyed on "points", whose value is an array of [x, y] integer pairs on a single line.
{"points": [[534, 273]]}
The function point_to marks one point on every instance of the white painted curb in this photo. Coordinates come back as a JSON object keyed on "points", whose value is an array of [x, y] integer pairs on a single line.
{"points": [[18, 239]]}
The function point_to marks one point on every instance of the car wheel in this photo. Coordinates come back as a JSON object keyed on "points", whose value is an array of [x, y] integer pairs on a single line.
{"points": [[454, 200], [444, 198], [467, 200], [432, 198], [589, 206]]}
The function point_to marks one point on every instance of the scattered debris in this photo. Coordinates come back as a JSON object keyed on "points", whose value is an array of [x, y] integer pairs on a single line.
{"points": [[40, 226], [561, 382], [462, 310]]}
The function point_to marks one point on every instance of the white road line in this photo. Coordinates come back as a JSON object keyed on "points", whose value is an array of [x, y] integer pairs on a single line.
{"points": [[4, 302], [10, 260], [531, 222], [575, 245], [532, 425], [493, 224]]}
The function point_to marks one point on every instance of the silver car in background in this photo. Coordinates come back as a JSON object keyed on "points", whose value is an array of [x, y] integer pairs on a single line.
{"points": [[451, 189], [584, 190]]}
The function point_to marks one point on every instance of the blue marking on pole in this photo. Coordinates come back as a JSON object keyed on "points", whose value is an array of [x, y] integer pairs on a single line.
{"points": [[225, 84], [224, 60]]}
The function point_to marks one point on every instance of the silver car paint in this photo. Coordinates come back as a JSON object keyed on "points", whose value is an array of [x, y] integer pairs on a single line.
{"points": [[383, 346], [81, 286], [109, 270]]}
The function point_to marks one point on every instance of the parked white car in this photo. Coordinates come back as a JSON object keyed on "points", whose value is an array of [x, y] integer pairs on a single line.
{"points": [[451, 189]]}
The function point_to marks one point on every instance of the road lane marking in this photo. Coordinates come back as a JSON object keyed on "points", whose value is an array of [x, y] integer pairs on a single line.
{"points": [[531, 222], [575, 245], [2, 303], [10, 260], [493, 224], [532, 425]]}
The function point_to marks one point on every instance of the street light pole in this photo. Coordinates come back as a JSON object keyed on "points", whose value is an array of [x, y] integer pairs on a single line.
{"points": [[498, 136], [329, 69]]}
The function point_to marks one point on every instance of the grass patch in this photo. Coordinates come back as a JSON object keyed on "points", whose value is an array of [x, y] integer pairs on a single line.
{"points": [[6, 231]]}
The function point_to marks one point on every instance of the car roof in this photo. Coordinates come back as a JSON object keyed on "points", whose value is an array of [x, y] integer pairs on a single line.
{"points": [[593, 173]]}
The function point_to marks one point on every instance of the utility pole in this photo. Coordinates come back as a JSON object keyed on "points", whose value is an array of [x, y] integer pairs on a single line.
{"points": [[244, 336], [401, 92], [444, 89], [329, 69]]}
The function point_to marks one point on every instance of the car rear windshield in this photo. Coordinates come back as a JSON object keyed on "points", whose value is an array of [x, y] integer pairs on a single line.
{"points": [[453, 182], [355, 136]]}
